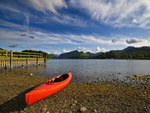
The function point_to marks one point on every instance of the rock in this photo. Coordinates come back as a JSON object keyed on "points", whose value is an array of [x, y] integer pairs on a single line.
{"points": [[44, 109], [72, 105], [88, 83], [75, 102], [82, 109], [31, 74], [95, 110]]}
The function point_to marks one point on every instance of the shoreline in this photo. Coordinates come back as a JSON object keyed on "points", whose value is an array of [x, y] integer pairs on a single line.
{"points": [[75, 97]]}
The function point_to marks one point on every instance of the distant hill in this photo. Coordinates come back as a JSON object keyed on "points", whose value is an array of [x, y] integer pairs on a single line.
{"points": [[73, 54], [121, 51], [127, 53], [93, 54], [1, 49], [54, 56], [133, 50]]}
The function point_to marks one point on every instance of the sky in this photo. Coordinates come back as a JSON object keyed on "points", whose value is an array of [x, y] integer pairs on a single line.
{"points": [[60, 26]]}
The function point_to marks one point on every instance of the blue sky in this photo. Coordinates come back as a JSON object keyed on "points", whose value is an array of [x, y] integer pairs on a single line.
{"points": [[58, 26]]}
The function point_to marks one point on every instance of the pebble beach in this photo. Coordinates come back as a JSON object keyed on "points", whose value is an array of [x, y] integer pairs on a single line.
{"points": [[91, 97]]}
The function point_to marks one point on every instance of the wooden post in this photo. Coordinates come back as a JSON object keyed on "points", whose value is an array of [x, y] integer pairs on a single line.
{"points": [[11, 57], [37, 60], [45, 60], [6, 54], [27, 62]]}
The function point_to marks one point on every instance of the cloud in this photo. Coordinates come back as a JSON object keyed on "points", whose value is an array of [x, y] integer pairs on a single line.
{"points": [[45, 38], [70, 20], [27, 21], [31, 37], [83, 49], [46, 47], [15, 45], [148, 31], [53, 52], [116, 13], [27, 35], [65, 51], [115, 40], [47, 5], [134, 21], [10, 25], [98, 49], [8, 6], [23, 35], [135, 40]]}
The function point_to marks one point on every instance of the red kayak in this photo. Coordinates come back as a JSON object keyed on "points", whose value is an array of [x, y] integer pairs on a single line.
{"points": [[48, 88]]}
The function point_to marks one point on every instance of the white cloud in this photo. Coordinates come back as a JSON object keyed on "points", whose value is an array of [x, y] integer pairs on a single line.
{"points": [[148, 31], [48, 5], [117, 13], [23, 13], [134, 21], [135, 40], [83, 49], [44, 38], [8, 7], [11, 25], [65, 51], [53, 52], [46, 47], [27, 20], [70, 20], [98, 49]]}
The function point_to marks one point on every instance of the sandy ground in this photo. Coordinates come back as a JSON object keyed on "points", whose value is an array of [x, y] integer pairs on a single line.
{"points": [[102, 97]]}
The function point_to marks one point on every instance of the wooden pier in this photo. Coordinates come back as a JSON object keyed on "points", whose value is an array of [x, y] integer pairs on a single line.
{"points": [[14, 58]]}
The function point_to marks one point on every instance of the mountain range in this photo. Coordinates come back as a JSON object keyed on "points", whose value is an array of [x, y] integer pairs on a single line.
{"points": [[134, 50], [69, 55], [76, 54]]}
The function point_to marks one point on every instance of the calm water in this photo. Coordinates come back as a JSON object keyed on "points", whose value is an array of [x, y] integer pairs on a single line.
{"points": [[87, 70]]}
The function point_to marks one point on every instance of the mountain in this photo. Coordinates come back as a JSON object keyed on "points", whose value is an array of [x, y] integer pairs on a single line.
{"points": [[54, 56], [127, 53], [134, 53], [92, 54], [141, 50], [73, 54], [1, 49], [120, 51], [134, 50]]}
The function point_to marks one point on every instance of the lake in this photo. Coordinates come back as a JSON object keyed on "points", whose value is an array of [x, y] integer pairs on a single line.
{"points": [[84, 70]]}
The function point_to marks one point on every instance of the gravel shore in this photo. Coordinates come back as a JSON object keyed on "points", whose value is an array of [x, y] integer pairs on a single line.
{"points": [[99, 97]]}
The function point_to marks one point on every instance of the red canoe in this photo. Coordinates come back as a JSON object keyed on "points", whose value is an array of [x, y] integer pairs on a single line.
{"points": [[48, 88]]}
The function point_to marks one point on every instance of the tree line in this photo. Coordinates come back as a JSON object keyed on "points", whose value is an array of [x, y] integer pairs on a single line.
{"points": [[113, 55], [44, 53]]}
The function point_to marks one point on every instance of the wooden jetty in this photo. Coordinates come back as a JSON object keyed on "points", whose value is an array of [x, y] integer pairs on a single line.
{"points": [[14, 58]]}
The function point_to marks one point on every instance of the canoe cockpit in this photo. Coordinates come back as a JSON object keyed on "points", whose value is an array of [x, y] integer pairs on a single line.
{"points": [[60, 78]]}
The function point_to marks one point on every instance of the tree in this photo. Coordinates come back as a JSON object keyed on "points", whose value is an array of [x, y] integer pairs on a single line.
{"points": [[44, 53]]}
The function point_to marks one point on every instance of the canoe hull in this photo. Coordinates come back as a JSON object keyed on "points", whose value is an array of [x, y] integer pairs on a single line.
{"points": [[46, 89]]}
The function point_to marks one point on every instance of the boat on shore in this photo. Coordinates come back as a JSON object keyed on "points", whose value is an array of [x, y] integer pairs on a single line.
{"points": [[48, 88]]}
